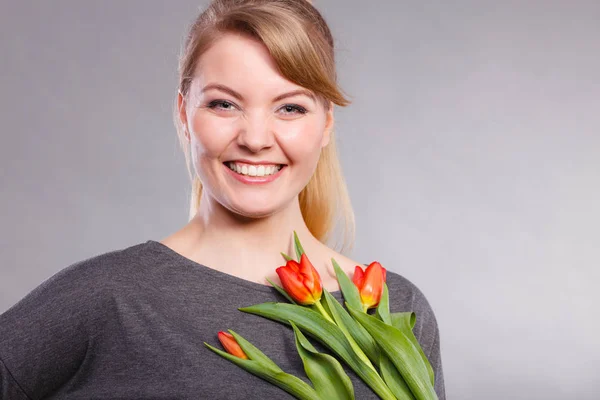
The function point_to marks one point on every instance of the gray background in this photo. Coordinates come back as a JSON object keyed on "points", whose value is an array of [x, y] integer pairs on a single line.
{"points": [[472, 154]]}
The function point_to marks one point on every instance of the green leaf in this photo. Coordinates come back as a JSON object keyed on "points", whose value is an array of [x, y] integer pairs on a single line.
{"points": [[383, 308], [401, 352], [282, 291], [405, 322], [253, 352], [350, 327], [397, 318], [286, 257], [325, 332], [298, 246], [290, 383], [324, 371], [349, 289], [394, 380]]}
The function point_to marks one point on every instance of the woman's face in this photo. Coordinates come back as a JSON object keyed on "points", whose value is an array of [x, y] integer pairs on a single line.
{"points": [[241, 113]]}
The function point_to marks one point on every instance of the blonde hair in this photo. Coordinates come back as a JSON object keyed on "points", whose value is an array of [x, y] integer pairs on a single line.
{"points": [[300, 42]]}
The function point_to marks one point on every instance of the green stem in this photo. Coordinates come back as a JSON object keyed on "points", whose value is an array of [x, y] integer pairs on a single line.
{"points": [[322, 311], [361, 354]]}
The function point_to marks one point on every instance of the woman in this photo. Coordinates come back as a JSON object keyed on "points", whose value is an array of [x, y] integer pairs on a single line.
{"points": [[254, 113]]}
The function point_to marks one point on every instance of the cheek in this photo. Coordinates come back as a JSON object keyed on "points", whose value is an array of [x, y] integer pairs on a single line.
{"points": [[302, 141], [210, 135]]}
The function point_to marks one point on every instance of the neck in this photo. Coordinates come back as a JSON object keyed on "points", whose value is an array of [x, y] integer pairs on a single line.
{"points": [[245, 247]]}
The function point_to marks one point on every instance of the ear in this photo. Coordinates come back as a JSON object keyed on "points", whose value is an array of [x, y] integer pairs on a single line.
{"points": [[329, 122], [181, 108]]}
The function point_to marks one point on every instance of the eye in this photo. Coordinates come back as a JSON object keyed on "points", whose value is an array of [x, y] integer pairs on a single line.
{"points": [[293, 109], [225, 105], [289, 109]]}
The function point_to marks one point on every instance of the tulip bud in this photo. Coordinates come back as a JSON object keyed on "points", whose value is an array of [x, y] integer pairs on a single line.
{"points": [[231, 345], [370, 283]]}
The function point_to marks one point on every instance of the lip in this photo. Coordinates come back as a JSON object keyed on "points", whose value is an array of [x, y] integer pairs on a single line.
{"points": [[242, 160], [253, 180]]}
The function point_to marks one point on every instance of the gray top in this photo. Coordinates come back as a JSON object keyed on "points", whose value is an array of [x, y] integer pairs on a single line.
{"points": [[130, 324]]}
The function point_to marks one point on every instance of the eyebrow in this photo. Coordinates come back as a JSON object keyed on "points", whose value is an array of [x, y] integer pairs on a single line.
{"points": [[226, 89]]}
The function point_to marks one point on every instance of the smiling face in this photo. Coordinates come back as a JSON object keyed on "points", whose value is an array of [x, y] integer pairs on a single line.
{"points": [[242, 114]]}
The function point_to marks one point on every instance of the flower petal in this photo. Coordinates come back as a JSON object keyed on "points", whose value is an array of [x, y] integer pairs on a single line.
{"points": [[294, 285], [312, 279], [231, 345], [293, 265], [372, 287], [358, 277]]}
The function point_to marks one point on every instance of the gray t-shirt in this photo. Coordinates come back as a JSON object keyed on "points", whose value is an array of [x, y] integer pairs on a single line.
{"points": [[130, 324]]}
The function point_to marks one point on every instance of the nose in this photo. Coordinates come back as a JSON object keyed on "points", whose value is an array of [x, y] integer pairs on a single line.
{"points": [[255, 133]]}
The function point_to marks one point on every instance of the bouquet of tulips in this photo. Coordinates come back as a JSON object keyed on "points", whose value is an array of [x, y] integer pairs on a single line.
{"points": [[381, 347]]}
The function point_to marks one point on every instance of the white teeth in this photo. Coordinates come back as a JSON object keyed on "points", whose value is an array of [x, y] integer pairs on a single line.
{"points": [[253, 170]]}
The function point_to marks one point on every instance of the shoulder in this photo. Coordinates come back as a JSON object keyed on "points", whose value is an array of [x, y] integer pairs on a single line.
{"points": [[84, 281], [110, 264], [406, 295]]}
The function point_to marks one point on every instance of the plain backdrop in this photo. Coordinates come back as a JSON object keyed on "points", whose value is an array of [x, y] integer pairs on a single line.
{"points": [[471, 152]]}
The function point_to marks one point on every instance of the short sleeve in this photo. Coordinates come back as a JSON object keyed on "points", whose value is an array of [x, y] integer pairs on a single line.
{"points": [[44, 336], [406, 296]]}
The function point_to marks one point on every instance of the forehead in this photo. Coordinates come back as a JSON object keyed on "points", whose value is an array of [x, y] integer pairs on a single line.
{"points": [[241, 62]]}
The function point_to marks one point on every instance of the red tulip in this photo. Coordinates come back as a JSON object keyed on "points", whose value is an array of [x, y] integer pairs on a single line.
{"points": [[369, 284], [231, 345], [301, 281]]}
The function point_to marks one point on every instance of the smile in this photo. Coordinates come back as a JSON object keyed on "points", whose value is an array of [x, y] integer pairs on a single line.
{"points": [[253, 170], [262, 173]]}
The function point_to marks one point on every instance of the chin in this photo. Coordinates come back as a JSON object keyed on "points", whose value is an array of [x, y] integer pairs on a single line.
{"points": [[256, 208], [255, 213]]}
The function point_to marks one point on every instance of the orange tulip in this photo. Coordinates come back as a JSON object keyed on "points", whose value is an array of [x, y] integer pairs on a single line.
{"points": [[301, 281], [231, 345], [369, 284]]}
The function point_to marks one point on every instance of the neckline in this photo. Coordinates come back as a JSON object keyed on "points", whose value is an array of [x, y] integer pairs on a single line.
{"points": [[166, 250]]}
